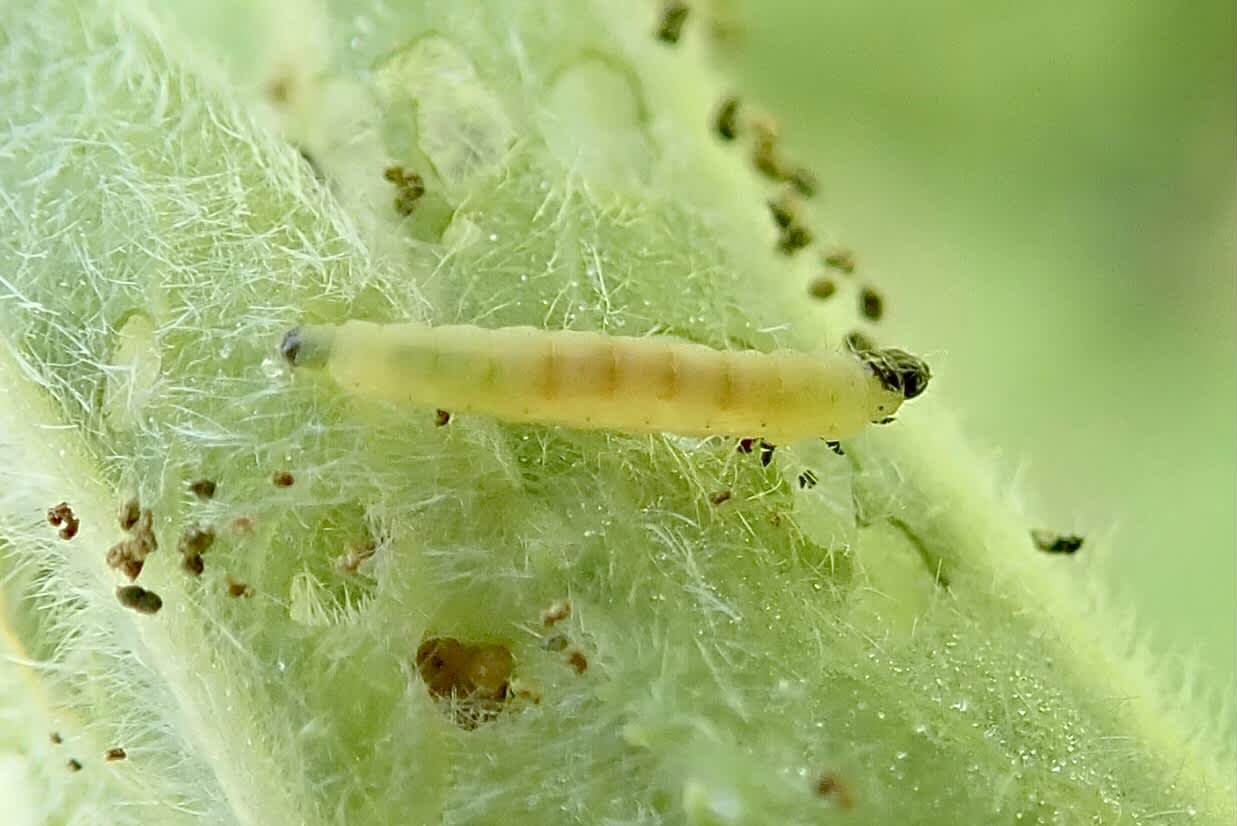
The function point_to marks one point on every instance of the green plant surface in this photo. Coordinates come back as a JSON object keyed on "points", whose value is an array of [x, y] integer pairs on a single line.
{"points": [[884, 646], [1058, 178]]}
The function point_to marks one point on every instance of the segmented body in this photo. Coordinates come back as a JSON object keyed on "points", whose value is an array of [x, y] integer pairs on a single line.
{"points": [[595, 381]]}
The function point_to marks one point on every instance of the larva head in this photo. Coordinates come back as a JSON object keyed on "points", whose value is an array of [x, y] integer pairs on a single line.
{"points": [[897, 376], [307, 346]]}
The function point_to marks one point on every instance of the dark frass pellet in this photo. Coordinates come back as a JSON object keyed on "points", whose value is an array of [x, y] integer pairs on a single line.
{"points": [[727, 122], [1055, 543], [203, 488], [871, 305], [409, 187], [139, 599], [842, 260], [822, 288], [673, 16]]}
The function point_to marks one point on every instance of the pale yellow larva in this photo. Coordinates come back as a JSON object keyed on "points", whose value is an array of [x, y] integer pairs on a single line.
{"points": [[601, 382]]}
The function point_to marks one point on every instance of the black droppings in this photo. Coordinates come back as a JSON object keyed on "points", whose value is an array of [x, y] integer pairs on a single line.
{"points": [[139, 599], [727, 121], [841, 259], [203, 488], [1055, 543], [822, 288], [673, 16], [871, 305]]}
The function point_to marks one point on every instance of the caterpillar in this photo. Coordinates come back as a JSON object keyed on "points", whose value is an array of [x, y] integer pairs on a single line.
{"points": [[600, 382]]}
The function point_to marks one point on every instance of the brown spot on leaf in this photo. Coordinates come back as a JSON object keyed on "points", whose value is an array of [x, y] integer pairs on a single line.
{"points": [[578, 661], [720, 497], [283, 479], [114, 754]]}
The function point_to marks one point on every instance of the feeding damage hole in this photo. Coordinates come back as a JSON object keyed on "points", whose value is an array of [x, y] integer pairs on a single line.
{"points": [[474, 679]]}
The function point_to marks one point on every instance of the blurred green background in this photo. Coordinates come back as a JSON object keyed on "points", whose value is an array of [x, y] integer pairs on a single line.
{"points": [[1046, 193]]}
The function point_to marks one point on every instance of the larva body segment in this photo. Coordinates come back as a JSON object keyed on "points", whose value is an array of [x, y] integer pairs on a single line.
{"points": [[594, 381]]}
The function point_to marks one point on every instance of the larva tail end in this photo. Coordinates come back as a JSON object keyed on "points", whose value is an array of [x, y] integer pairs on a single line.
{"points": [[897, 370], [304, 347]]}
